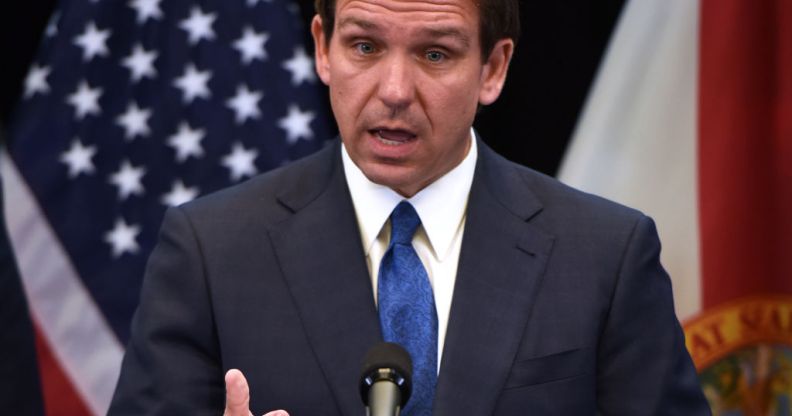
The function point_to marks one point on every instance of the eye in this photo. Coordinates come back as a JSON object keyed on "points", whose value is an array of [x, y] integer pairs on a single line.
{"points": [[364, 48], [435, 56]]}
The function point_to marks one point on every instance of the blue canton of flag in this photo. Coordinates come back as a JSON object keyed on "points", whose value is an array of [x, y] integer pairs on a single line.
{"points": [[133, 106]]}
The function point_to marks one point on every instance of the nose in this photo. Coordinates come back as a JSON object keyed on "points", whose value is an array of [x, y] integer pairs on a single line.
{"points": [[397, 84]]}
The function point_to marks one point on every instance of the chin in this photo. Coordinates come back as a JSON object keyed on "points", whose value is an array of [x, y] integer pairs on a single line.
{"points": [[386, 180], [389, 176]]}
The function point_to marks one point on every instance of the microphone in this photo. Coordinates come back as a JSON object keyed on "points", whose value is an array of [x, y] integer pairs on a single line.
{"points": [[386, 379]]}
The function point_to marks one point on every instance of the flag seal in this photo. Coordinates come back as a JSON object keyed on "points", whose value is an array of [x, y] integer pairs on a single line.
{"points": [[743, 353]]}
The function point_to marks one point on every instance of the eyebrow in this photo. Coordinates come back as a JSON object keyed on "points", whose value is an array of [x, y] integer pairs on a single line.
{"points": [[447, 32], [440, 32], [353, 21]]}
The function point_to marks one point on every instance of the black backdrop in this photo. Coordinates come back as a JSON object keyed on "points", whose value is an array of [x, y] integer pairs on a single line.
{"points": [[557, 57]]}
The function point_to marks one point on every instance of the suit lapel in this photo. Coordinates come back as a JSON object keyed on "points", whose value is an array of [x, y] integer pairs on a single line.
{"points": [[322, 259], [500, 268], [501, 263]]}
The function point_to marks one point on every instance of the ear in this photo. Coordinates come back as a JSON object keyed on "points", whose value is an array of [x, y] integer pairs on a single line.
{"points": [[321, 49], [493, 74]]}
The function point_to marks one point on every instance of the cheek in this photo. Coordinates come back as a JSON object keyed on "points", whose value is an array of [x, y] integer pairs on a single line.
{"points": [[339, 96], [348, 101], [350, 87], [454, 101]]}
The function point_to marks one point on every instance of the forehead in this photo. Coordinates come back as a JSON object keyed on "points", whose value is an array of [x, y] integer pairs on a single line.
{"points": [[460, 14]]}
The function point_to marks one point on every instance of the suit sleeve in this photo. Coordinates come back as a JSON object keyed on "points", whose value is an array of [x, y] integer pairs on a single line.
{"points": [[171, 365], [643, 365]]}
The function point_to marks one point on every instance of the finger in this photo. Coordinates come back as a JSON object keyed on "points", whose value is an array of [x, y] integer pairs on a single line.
{"points": [[237, 394], [277, 413]]}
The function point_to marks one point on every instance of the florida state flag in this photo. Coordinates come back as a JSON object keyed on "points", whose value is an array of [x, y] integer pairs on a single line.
{"points": [[690, 120]]}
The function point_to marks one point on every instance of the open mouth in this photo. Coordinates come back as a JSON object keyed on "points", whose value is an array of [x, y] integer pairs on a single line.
{"points": [[393, 137]]}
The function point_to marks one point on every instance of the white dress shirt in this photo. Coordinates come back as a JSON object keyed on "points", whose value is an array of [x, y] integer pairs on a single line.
{"points": [[441, 206]]}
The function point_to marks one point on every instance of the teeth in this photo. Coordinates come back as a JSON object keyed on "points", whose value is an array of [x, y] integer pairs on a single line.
{"points": [[386, 138], [389, 142]]}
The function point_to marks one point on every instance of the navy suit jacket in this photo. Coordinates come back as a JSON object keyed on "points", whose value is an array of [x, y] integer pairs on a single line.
{"points": [[560, 305]]}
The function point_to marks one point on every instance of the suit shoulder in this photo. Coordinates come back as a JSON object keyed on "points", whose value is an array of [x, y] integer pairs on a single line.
{"points": [[554, 194], [565, 208], [260, 194]]}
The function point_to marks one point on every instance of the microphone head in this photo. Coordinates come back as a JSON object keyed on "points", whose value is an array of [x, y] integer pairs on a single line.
{"points": [[386, 361]]}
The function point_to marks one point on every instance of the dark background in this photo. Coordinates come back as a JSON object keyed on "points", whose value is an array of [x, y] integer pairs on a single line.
{"points": [[555, 62]]}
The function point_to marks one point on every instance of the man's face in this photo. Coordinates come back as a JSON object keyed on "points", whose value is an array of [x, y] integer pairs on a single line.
{"points": [[405, 79]]}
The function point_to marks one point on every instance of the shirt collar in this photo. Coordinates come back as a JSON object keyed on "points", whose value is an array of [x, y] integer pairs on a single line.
{"points": [[441, 205]]}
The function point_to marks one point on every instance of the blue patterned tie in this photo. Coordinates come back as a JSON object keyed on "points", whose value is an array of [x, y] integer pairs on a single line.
{"points": [[407, 309]]}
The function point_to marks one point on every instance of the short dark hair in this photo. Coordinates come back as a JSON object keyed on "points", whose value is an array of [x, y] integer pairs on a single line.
{"points": [[498, 19]]}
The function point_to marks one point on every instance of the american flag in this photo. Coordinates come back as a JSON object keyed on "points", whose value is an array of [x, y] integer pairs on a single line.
{"points": [[130, 107]]}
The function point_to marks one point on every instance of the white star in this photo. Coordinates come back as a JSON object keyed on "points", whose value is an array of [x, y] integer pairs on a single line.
{"points": [[146, 9], [240, 162], [128, 180], [199, 25], [52, 25], [36, 81], [122, 238], [93, 41], [253, 3], [140, 63], [251, 45], [78, 158], [193, 83], [245, 104], [179, 194], [134, 121], [297, 124], [187, 142], [301, 67], [85, 100]]}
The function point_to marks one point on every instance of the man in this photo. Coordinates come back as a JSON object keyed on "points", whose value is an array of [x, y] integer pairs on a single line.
{"points": [[541, 299]]}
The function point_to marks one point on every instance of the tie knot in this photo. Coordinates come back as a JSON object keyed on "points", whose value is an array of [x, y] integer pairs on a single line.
{"points": [[404, 222]]}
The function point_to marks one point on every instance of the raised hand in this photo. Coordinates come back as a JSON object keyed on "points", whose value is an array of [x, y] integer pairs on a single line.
{"points": [[238, 396]]}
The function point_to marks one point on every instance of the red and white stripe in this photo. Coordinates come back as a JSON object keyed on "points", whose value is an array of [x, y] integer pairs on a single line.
{"points": [[79, 355]]}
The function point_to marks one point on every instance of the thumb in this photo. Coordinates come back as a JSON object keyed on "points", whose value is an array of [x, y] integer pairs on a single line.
{"points": [[237, 394]]}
